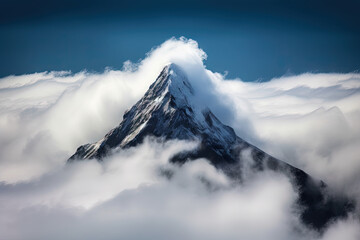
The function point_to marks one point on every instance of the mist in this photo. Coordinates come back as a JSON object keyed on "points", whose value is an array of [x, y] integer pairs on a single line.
{"points": [[311, 121]]}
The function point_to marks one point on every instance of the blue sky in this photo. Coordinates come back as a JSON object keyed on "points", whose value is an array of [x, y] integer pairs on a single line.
{"points": [[253, 40]]}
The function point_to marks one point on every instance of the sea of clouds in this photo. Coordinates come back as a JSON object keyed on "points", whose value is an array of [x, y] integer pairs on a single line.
{"points": [[311, 121]]}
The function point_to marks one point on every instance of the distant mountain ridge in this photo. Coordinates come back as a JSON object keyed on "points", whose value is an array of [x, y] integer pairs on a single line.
{"points": [[168, 110]]}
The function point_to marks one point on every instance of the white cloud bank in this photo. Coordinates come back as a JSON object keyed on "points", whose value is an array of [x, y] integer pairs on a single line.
{"points": [[311, 121]]}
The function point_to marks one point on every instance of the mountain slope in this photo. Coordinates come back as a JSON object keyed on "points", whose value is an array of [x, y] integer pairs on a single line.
{"points": [[169, 110], [166, 110]]}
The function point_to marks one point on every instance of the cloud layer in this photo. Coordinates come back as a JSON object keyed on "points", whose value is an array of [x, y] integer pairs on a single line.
{"points": [[311, 121]]}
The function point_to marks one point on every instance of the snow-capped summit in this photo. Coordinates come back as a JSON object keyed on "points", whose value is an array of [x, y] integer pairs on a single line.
{"points": [[169, 110]]}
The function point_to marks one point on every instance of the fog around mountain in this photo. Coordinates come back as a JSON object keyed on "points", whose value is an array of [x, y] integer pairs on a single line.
{"points": [[310, 120]]}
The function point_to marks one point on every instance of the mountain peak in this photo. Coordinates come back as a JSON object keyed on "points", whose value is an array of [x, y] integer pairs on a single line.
{"points": [[169, 110], [174, 82]]}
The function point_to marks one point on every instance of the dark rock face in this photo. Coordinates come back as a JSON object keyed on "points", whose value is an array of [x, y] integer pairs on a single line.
{"points": [[167, 110]]}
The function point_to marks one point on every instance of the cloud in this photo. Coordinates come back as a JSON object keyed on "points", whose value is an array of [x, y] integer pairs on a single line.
{"points": [[311, 121], [66, 110], [129, 197]]}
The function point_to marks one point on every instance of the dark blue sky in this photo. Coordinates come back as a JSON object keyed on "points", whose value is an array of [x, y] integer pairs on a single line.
{"points": [[250, 39]]}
